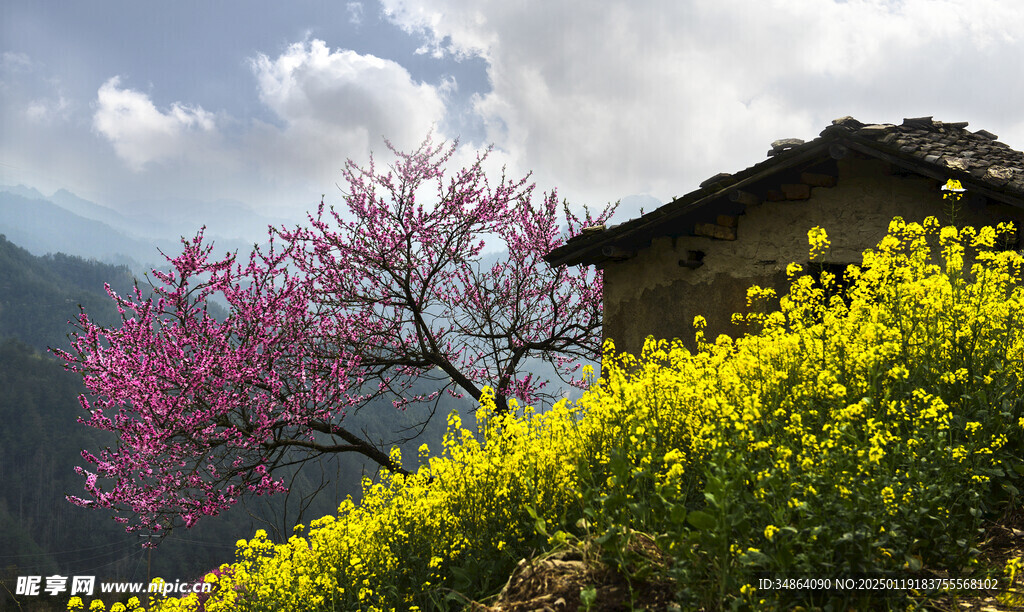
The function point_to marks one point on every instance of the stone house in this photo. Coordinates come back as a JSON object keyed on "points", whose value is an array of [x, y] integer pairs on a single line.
{"points": [[699, 253]]}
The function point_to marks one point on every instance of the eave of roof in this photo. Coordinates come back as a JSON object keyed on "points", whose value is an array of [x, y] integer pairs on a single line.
{"points": [[929, 148]]}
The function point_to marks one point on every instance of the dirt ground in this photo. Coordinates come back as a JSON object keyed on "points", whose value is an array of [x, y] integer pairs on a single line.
{"points": [[554, 582]]}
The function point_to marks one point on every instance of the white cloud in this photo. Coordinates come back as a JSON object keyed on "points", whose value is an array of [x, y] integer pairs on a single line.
{"points": [[49, 109], [325, 106], [602, 100], [11, 61], [355, 12], [141, 133], [333, 105], [30, 91], [14, 68], [613, 98]]}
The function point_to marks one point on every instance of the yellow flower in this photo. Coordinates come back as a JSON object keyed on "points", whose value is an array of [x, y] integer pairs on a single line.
{"points": [[899, 372], [952, 189], [818, 239], [889, 498], [948, 234]]}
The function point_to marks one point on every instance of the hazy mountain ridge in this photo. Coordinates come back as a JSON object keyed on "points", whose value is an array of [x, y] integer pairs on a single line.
{"points": [[228, 220], [41, 227], [67, 223], [159, 222]]}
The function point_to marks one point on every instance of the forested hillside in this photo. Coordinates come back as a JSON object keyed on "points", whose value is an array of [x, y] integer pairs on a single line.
{"points": [[39, 295], [40, 439]]}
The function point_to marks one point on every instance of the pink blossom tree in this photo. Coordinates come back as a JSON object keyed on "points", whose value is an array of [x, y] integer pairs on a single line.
{"points": [[360, 304]]}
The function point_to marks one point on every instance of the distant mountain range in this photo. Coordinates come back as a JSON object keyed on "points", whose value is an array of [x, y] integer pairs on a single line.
{"points": [[64, 222]]}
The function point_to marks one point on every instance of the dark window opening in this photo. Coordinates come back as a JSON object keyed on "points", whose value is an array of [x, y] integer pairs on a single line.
{"points": [[840, 284]]}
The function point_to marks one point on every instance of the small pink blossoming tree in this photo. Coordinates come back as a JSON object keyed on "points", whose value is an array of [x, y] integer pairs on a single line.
{"points": [[360, 304]]}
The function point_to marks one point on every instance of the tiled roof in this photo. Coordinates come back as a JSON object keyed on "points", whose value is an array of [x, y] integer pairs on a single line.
{"points": [[950, 146], [920, 145]]}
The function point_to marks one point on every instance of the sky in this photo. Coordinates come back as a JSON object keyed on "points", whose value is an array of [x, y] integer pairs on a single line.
{"points": [[134, 104]]}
